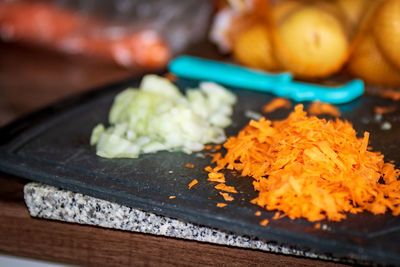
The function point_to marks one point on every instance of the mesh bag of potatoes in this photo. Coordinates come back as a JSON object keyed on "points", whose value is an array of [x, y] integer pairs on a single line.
{"points": [[313, 39]]}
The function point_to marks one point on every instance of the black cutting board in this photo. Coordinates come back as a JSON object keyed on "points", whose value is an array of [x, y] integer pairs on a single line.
{"points": [[52, 146]]}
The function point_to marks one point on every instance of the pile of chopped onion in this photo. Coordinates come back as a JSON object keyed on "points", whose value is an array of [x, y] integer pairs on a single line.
{"points": [[157, 116]]}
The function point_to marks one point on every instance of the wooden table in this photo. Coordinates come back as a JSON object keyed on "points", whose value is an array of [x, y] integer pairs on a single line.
{"points": [[30, 79]]}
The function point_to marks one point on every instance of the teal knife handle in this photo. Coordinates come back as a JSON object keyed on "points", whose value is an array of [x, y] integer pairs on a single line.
{"points": [[279, 84], [328, 94], [226, 74]]}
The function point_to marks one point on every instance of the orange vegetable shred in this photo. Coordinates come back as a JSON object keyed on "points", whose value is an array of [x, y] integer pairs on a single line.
{"points": [[172, 197], [193, 183], [278, 216], [318, 108], [216, 177], [258, 213], [208, 169], [391, 94], [225, 188], [312, 168], [384, 110], [275, 104], [264, 222], [188, 165], [226, 196], [221, 205]]}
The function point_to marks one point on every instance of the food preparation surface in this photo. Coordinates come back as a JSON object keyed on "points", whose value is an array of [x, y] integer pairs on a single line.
{"points": [[53, 147]]}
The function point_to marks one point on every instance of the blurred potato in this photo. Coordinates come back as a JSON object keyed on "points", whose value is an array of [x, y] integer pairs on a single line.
{"points": [[368, 63], [282, 8], [253, 48], [334, 9], [354, 10], [311, 42], [386, 30], [317, 38]]}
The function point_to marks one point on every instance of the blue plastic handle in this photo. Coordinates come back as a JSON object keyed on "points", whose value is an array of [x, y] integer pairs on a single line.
{"points": [[224, 73], [279, 84], [328, 94]]}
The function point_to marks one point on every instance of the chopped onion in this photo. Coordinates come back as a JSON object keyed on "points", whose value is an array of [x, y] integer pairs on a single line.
{"points": [[157, 116]]}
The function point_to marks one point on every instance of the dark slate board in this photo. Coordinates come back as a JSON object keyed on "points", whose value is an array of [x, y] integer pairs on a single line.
{"points": [[52, 146]]}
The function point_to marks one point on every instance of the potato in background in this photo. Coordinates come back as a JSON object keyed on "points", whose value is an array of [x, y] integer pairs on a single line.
{"points": [[386, 30], [354, 10], [368, 63], [253, 48], [311, 42]]}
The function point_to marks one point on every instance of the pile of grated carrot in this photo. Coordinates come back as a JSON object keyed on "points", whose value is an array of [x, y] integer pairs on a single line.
{"points": [[308, 167]]}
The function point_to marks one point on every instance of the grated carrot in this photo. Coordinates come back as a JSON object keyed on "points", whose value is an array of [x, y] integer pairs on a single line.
{"points": [[192, 183], [225, 188], [384, 110], [216, 177], [317, 226], [226, 196], [264, 222], [221, 205], [258, 213], [189, 165], [318, 108], [172, 197], [275, 104], [308, 167], [391, 94], [208, 147], [278, 216], [364, 144], [208, 169]]}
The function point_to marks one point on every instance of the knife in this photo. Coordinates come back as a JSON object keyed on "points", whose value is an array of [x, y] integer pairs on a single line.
{"points": [[280, 84]]}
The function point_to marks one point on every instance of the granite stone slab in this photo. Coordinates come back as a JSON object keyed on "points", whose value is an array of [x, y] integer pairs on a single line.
{"points": [[49, 202]]}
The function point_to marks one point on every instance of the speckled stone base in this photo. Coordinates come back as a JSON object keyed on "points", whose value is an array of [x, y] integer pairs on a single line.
{"points": [[49, 202]]}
